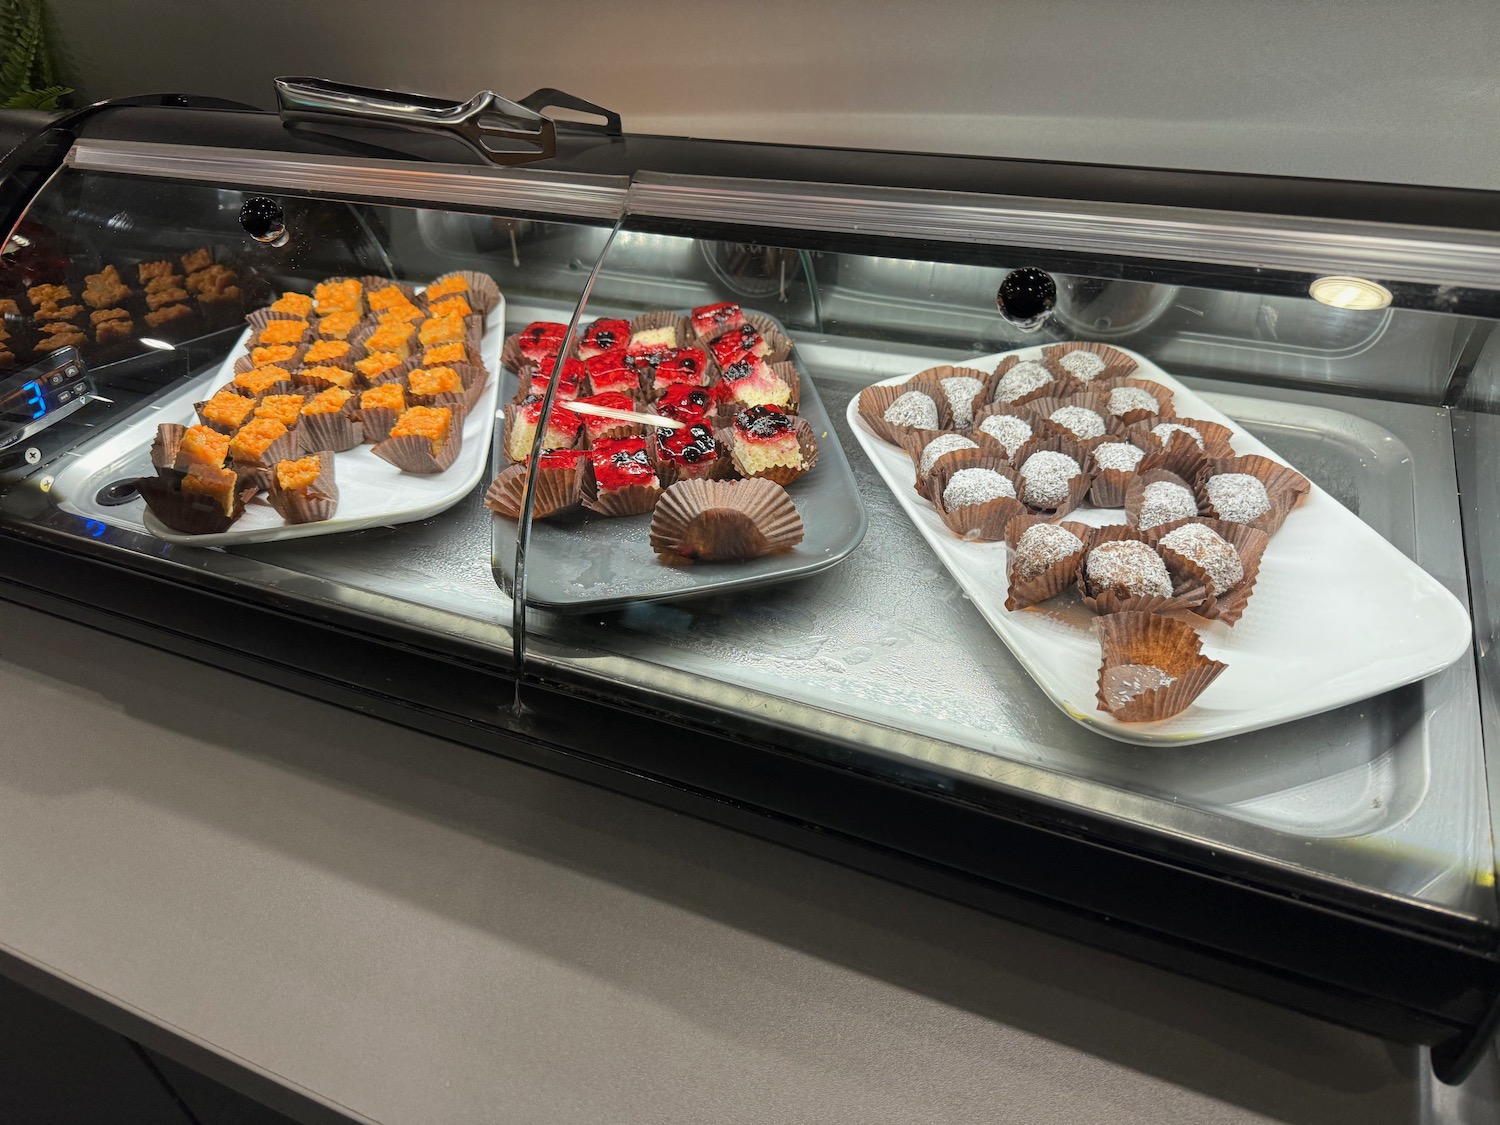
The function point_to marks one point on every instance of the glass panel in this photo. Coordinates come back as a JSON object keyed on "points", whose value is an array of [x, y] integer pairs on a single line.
{"points": [[884, 659], [425, 566]]}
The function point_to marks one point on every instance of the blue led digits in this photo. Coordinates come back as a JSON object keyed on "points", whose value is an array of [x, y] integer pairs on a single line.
{"points": [[34, 399]]}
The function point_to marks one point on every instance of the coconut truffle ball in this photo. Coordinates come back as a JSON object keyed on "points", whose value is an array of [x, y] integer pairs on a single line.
{"points": [[1079, 421], [1130, 566], [1045, 478], [1082, 365], [961, 391], [1210, 550], [915, 409], [943, 444], [1166, 430], [1163, 501], [976, 486], [1122, 400], [1021, 380], [1237, 497], [1008, 430], [1042, 545], [1119, 455]]}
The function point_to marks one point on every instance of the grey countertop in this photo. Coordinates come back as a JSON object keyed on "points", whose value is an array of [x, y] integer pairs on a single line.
{"points": [[329, 911]]}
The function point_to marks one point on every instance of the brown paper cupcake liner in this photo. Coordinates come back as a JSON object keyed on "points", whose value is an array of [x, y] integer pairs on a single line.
{"points": [[1165, 411], [316, 503], [337, 432], [395, 374], [632, 500], [915, 442], [1057, 387], [1249, 543], [986, 521], [1285, 487], [557, 491], [875, 401], [252, 479], [1078, 487], [187, 512], [483, 295], [1186, 593], [1135, 493], [1051, 582], [288, 447], [663, 318], [1136, 639], [1117, 364], [781, 346], [1109, 485], [456, 401], [724, 520], [164, 445], [243, 362], [375, 422], [1216, 438], [474, 377], [780, 474], [258, 319], [788, 374], [1039, 411], [981, 398], [611, 433], [512, 359], [358, 349], [413, 453]]}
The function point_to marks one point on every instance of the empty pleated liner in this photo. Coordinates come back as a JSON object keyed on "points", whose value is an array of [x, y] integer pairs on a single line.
{"points": [[725, 521], [412, 453], [338, 431], [557, 491], [318, 501], [164, 445], [632, 500], [1153, 667]]}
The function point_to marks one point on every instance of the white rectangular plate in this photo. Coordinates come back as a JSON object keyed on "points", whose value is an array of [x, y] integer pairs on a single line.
{"points": [[372, 493], [1338, 614]]}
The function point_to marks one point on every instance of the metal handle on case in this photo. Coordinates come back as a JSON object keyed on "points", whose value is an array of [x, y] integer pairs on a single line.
{"points": [[484, 117]]}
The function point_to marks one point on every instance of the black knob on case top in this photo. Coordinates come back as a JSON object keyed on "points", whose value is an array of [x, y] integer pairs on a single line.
{"points": [[1026, 298], [263, 220]]}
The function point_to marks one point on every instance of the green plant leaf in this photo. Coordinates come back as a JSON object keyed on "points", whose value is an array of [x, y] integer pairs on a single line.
{"points": [[37, 99]]}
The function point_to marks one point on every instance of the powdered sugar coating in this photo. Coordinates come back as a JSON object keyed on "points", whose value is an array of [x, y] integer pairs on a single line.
{"points": [[1119, 455], [1165, 431], [1122, 400], [1128, 565], [943, 443], [1045, 478], [1210, 550], [1082, 365], [1163, 501], [914, 408], [1080, 421], [1021, 380], [976, 486], [961, 391], [1125, 683], [1008, 430], [1237, 497], [1043, 544]]}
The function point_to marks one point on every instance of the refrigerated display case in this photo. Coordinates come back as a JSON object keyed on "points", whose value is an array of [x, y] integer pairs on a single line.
{"points": [[863, 699]]}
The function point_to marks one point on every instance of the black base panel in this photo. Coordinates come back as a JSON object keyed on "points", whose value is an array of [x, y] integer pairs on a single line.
{"points": [[1019, 860]]}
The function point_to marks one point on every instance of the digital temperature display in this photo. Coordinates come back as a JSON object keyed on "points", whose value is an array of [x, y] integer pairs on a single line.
{"points": [[37, 396]]}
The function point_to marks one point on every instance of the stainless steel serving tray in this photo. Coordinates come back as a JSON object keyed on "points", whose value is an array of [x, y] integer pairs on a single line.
{"points": [[588, 563]]}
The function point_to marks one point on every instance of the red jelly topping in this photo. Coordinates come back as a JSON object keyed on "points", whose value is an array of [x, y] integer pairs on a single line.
{"points": [[608, 371], [738, 342], [561, 458], [763, 423], [710, 320], [685, 403], [542, 339], [689, 445], [567, 385], [621, 462], [560, 420], [646, 357], [615, 400], [604, 336], [690, 365]]}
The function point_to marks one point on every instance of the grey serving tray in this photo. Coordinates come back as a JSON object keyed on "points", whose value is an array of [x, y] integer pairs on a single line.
{"points": [[585, 563]]}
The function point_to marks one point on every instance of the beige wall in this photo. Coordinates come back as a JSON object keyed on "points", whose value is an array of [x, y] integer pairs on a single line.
{"points": [[1351, 88]]}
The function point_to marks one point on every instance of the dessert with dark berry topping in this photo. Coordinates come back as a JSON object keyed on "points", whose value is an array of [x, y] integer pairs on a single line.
{"points": [[602, 336], [688, 366], [765, 438], [621, 463], [541, 339], [692, 450], [569, 383], [750, 381], [737, 342], [711, 320], [685, 403], [609, 371], [646, 357]]}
